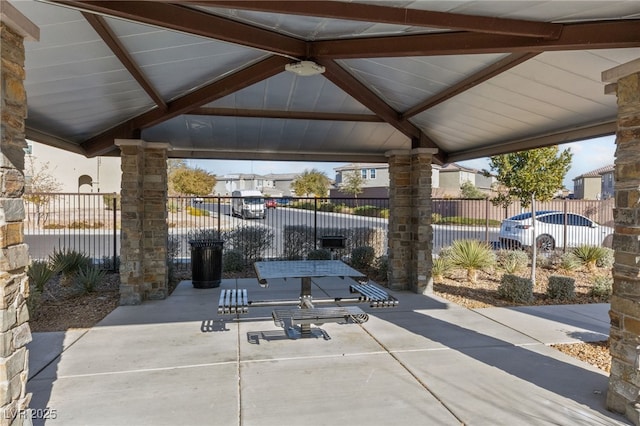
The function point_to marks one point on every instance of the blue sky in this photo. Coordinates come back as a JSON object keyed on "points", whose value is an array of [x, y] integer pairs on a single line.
{"points": [[587, 155]]}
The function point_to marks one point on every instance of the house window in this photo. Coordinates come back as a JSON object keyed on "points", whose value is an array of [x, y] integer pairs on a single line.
{"points": [[363, 173], [372, 173]]}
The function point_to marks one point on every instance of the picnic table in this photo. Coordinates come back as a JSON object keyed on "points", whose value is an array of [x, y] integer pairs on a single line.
{"points": [[297, 320]]}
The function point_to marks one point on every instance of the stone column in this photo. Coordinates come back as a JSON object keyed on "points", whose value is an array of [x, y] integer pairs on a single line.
{"points": [[410, 234], [399, 231], [144, 234], [624, 380], [14, 256], [422, 259]]}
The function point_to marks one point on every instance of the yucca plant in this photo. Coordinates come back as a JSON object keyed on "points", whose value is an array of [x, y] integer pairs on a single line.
{"points": [[441, 266], [89, 277], [471, 255], [589, 255], [39, 274], [512, 261], [68, 262], [569, 262]]}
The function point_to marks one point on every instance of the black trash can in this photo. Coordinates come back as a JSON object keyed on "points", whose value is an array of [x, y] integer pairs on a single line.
{"points": [[206, 263]]}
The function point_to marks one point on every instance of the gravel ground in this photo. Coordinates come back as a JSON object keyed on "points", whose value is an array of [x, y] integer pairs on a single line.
{"points": [[64, 307]]}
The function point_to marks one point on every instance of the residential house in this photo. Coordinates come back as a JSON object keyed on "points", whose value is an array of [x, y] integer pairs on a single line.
{"points": [[375, 178], [225, 185], [453, 176], [594, 185]]}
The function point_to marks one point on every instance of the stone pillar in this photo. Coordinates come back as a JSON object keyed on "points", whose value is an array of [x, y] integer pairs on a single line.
{"points": [[422, 259], [410, 233], [14, 256], [399, 232], [144, 234], [624, 381]]}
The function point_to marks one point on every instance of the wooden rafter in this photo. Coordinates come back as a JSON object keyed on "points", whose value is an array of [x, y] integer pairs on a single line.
{"points": [[216, 90], [394, 15], [103, 30], [287, 115]]}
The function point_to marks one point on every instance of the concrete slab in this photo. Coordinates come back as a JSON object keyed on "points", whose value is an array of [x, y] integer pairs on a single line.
{"points": [[556, 323], [176, 361], [46, 347]]}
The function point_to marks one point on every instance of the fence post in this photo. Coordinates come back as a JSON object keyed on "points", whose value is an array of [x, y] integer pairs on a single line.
{"points": [[486, 214], [219, 201], [115, 230], [564, 228], [315, 223]]}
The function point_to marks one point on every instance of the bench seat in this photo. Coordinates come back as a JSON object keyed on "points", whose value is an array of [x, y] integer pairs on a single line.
{"points": [[376, 297], [287, 318], [233, 301]]}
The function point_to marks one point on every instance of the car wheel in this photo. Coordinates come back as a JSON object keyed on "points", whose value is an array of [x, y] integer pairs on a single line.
{"points": [[545, 243]]}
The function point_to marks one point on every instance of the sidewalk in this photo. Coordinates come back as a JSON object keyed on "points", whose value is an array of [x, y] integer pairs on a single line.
{"points": [[176, 361]]}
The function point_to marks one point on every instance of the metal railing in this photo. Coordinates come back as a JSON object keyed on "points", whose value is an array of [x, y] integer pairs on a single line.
{"points": [[90, 223]]}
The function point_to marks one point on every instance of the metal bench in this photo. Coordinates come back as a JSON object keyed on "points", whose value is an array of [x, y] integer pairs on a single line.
{"points": [[287, 318], [376, 297], [233, 301]]}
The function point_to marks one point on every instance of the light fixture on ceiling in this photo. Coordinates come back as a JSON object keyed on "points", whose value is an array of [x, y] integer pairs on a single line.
{"points": [[304, 68]]}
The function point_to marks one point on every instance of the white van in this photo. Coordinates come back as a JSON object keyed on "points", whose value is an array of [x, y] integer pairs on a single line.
{"points": [[248, 204]]}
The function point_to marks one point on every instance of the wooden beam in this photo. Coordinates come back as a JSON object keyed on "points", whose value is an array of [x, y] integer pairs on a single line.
{"points": [[216, 90], [394, 15], [582, 36], [194, 22], [100, 26], [616, 73], [462, 86], [287, 115]]}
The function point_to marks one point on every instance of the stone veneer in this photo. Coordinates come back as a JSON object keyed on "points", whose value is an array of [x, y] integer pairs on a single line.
{"points": [[14, 255], [410, 232], [624, 381], [144, 234]]}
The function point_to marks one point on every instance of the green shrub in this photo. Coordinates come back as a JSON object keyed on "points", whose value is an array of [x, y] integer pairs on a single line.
{"points": [[471, 255], [369, 211], [88, 278], [39, 274], [569, 262], [33, 303], [305, 205], [515, 289], [326, 207], [607, 260], [436, 218], [362, 257], [590, 255], [319, 254], [251, 241], [381, 268], [203, 234], [233, 261], [512, 261], [68, 262], [469, 221], [561, 288], [440, 267], [298, 240], [85, 225], [602, 286]]}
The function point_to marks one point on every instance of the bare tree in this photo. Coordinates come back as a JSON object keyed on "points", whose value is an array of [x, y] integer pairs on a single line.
{"points": [[40, 185]]}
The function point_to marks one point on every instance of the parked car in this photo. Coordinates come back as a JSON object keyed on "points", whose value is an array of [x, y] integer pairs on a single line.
{"points": [[270, 203], [197, 200], [551, 231]]}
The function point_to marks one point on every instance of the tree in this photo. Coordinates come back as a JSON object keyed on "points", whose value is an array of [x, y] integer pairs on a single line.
{"points": [[352, 183], [174, 164], [523, 175], [311, 182], [190, 181], [469, 190], [39, 186]]}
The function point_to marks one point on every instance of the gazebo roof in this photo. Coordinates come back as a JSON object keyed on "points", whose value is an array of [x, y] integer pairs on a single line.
{"points": [[470, 78]]}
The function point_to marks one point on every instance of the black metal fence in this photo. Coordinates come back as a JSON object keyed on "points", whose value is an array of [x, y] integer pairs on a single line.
{"points": [[287, 228]]}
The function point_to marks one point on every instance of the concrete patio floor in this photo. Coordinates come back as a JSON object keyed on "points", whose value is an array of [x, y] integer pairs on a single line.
{"points": [[177, 362]]}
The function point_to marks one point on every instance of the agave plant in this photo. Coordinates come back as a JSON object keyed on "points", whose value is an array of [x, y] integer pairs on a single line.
{"points": [[39, 274], [89, 277], [590, 255], [68, 262], [471, 255]]}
